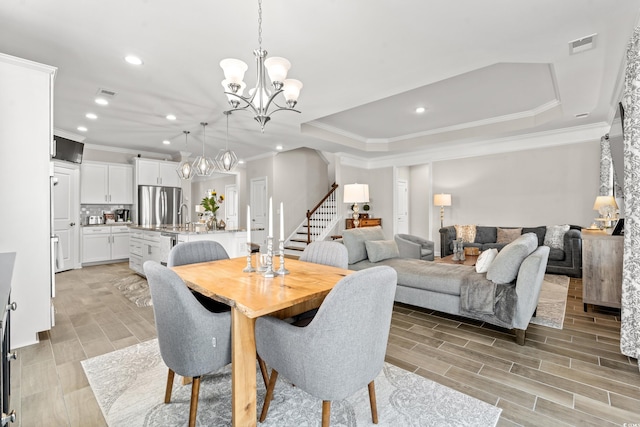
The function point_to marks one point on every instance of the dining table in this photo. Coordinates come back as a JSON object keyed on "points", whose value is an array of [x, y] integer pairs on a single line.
{"points": [[251, 295]]}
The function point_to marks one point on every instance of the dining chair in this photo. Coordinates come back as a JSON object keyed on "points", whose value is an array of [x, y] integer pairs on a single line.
{"points": [[193, 340], [326, 252], [342, 349]]}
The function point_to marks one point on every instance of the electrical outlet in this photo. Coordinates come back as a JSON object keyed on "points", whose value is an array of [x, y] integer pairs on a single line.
{"points": [[213, 342]]}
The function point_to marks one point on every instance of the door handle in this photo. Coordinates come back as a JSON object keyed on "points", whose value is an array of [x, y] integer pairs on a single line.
{"points": [[71, 224]]}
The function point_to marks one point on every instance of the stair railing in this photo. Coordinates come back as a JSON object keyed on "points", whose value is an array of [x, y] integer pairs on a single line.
{"points": [[314, 215]]}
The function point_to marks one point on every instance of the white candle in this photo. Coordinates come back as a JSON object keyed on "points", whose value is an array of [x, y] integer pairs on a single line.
{"points": [[271, 217], [281, 221], [248, 224]]}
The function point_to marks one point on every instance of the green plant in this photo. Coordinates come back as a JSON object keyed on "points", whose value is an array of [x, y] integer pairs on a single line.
{"points": [[211, 203], [366, 207]]}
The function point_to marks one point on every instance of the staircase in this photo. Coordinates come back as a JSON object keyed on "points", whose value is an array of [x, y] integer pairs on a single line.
{"points": [[317, 225]]}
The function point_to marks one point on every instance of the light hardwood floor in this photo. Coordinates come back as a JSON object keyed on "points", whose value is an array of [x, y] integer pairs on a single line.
{"points": [[575, 376]]}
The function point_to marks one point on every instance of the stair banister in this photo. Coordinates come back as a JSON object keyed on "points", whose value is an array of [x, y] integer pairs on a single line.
{"points": [[310, 213]]}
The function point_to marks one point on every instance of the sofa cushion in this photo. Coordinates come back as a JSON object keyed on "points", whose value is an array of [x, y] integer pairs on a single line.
{"points": [[556, 254], [554, 237], [378, 250], [486, 234], [466, 233], [538, 231], [504, 268], [497, 246], [354, 239], [485, 259], [507, 235]]}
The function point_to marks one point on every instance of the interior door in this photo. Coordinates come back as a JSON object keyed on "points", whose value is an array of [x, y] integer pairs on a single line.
{"points": [[231, 205], [258, 202], [66, 215], [402, 207]]}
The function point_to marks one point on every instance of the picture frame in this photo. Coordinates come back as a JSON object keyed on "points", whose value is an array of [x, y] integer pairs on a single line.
{"points": [[619, 228]]}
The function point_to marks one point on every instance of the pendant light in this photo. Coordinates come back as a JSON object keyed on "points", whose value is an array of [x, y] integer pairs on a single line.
{"points": [[226, 159], [185, 169], [203, 165]]}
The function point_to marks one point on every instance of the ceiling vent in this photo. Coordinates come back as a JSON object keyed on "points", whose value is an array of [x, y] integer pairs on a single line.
{"points": [[582, 44], [106, 93]]}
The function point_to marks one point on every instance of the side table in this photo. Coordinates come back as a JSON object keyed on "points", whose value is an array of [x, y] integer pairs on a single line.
{"points": [[602, 269]]}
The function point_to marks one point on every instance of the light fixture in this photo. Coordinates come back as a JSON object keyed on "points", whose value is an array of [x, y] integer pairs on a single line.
{"points": [[133, 60], [203, 165], [166, 142], [260, 98], [442, 200], [356, 193], [226, 159], [82, 129], [279, 147], [171, 117], [91, 116], [607, 208], [185, 169], [420, 110], [102, 101]]}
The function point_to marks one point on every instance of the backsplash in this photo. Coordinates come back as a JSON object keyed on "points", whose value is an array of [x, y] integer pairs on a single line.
{"points": [[97, 210]]}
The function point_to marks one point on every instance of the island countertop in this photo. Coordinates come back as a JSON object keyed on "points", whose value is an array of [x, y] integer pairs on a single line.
{"points": [[193, 228]]}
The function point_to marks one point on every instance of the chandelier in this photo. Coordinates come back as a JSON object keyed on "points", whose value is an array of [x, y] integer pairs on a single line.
{"points": [[203, 165], [226, 159], [261, 99], [184, 169]]}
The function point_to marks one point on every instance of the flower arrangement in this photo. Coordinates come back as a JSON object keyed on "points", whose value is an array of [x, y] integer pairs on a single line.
{"points": [[211, 202]]}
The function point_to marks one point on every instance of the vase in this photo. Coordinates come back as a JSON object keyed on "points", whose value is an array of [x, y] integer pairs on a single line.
{"points": [[212, 224]]}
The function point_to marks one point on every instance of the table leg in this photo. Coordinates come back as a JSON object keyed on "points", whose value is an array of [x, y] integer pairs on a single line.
{"points": [[243, 368]]}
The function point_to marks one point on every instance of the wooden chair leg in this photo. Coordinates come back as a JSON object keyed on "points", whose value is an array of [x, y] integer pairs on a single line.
{"points": [[269, 395], [193, 410], [520, 336], [263, 370], [167, 393], [372, 402], [326, 413]]}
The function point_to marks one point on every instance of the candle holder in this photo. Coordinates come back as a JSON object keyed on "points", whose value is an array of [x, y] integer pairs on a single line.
{"points": [[269, 273], [282, 271], [249, 268]]}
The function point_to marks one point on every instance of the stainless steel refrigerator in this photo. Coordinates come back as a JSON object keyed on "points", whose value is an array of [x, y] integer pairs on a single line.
{"points": [[158, 205]]}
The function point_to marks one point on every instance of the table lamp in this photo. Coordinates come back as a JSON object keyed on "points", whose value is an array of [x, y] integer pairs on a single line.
{"points": [[356, 193], [442, 200], [607, 208]]}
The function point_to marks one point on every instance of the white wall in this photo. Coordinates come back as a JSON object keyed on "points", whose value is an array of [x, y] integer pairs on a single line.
{"points": [[420, 201]]}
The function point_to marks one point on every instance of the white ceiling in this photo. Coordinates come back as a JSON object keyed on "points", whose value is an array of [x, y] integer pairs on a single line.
{"points": [[484, 70]]}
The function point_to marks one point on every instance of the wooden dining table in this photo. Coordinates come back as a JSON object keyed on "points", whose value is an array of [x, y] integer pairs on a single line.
{"points": [[250, 295]]}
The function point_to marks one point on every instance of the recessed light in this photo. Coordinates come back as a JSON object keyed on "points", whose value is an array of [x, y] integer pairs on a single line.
{"points": [[91, 116], [82, 129], [241, 162], [279, 147], [166, 142], [102, 101], [420, 110], [171, 117], [133, 60]]}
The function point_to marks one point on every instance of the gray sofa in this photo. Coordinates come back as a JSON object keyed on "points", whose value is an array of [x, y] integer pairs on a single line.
{"points": [[450, 288], [567, 261]]}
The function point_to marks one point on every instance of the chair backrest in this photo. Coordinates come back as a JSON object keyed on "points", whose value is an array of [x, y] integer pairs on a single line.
{"points": [[194, 252], [186, 330], [326, 252]]}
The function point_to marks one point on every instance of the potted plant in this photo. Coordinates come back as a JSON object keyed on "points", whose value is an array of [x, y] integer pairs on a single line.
{"points": [[211, 203]]}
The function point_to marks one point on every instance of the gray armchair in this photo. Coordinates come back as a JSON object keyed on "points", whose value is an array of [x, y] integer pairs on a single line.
{"points": [[414, 247], [327, 253], [343, 347], [186, 331]]}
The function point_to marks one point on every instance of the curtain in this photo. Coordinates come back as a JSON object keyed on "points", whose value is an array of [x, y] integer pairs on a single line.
{"points": [[606, 167], [630, 326]]}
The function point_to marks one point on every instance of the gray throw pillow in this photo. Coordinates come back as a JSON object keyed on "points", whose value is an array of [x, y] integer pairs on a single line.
{"points": [[504, 268], [379, 250], [554, 237], [354, 239]]}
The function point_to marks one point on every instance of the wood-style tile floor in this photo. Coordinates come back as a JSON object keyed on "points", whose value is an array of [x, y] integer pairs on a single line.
{"points": [[575, 376]]}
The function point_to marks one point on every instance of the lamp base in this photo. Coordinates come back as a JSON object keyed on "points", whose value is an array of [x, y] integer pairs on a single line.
{"points": [[356, 216]]}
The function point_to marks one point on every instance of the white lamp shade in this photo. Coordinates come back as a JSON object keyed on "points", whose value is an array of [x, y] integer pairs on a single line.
{"points": [[277, 68], [234, 70], [291, 89], [602, 201], [442, 199], [356, 193]]}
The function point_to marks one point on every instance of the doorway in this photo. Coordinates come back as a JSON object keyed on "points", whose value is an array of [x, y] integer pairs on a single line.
{"points": [[231, 205], [258, 202], [66, 215], [402, 207]]}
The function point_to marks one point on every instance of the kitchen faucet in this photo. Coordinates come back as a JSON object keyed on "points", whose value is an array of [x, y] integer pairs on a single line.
{"points": [[184, 219]]}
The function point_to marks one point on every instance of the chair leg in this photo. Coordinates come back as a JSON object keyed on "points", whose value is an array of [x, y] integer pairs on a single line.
{"points": [[263, 370], [372, 402], [167, 393], [326, 413], [269, 395], [193, 410]]}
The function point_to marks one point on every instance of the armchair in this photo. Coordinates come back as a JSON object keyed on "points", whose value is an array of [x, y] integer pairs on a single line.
{"points": [[414, 247]]}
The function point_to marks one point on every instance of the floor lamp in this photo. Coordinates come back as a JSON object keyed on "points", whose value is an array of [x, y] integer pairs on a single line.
{"points": [[442, 200], [356, 193]]}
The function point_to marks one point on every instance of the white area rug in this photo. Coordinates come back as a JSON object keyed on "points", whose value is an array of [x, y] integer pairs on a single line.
{"points": [[129, 386], [552, 302], [135, 288]]}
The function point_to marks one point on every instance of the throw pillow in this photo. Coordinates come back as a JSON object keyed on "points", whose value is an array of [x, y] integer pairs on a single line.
{"points": [[379, 250], [504, 268], [508, 235], [466, 233], [354, 239], [485, 259], [554, 237], [485, 234]]}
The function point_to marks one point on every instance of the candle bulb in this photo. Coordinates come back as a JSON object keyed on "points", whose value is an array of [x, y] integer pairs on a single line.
{"points": [[248, 224], [281, 221], [271, 217]]}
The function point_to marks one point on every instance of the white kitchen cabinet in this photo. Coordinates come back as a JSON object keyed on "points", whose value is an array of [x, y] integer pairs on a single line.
{"points": [[151, 246], [106, 183], [105, 244], [156, 172], [119, 242], [135, 251]]}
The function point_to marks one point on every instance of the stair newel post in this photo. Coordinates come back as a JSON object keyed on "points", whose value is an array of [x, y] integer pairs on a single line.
{"points": [[308, 227]]}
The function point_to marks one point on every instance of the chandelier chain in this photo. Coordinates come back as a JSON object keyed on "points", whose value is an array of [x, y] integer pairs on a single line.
{"points": [[260, 24]]}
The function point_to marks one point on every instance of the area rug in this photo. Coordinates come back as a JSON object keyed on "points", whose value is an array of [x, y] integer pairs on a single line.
{"points": [[129, 386], [135, 288], [552, 302]]}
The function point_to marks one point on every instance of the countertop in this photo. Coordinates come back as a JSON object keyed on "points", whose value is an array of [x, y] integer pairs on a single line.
{"points": [[199, 229], [111, 224]]}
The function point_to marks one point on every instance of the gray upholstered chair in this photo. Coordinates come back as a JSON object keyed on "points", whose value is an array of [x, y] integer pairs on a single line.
{"points": [[342, 349], [416, 247], [326, 252], [186, 331]]}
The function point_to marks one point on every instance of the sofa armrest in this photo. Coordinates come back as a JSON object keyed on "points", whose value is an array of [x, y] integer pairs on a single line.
{"points": [[528, 286], [447, 235], [411, 246]]}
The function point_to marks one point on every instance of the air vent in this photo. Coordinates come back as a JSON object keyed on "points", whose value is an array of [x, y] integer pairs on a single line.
{"points": [[581, 115], [106, 93], [582, 44]]}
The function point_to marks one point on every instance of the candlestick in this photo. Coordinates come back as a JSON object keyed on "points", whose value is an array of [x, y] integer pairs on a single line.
{"points": [[248, 224], [281, 221], [282, 271], [269, 271], [249, 268], [270, 216]]}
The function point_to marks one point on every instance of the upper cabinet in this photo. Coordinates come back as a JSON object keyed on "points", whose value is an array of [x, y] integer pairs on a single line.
{"points": [[156, 172], [106, 183]]}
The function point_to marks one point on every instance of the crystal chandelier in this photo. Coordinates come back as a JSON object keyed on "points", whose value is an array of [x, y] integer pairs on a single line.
{"points": [[185, 170], [226, 159], [203, 165], [260, 98]]}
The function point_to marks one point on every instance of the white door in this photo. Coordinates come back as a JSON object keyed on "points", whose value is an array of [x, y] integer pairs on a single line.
{"points": [[231, 205], [66, 215], [258, 202], [402, 207]]}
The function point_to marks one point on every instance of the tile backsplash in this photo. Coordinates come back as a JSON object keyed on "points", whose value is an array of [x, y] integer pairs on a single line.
{"points": [[91, 210]]}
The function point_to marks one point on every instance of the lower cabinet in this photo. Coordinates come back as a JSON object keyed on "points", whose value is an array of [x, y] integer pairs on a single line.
{"points": [[143, 246], [105, 243]]}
